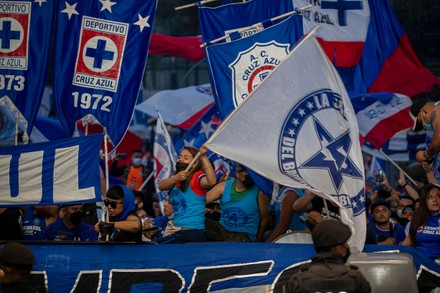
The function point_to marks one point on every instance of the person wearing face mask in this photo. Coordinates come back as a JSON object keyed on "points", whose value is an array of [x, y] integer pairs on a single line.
{"points": [[327, 271], [187, 192], [244, 210], [426, 116], [134, 174], [70, 227]]}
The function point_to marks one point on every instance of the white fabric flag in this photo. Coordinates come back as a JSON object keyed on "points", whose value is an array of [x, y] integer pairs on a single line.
{"points": [[164, 156], [298, 128]]}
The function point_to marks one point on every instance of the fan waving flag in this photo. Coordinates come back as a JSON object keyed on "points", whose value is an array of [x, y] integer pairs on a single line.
{"points": [[100, 55], [381, 115], [25, 40], [299, 129], [216, 21], [239, 66], [57, 172], [369, 48], [164, 156]]}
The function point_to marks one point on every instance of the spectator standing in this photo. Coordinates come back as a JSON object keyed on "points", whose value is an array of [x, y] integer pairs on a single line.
{"points": [[387, 232], [36, 219]]}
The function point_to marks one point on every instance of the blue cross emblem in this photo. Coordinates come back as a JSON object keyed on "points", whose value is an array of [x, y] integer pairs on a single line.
{"points": [[342, 6], [7, 34], [99, 54]]}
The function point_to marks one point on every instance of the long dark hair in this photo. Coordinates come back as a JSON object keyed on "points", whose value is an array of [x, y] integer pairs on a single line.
{"points": [[422, 214], [195, 167]]}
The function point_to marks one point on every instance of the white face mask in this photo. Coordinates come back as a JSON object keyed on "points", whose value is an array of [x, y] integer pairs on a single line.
{"points": [[137, 161]]}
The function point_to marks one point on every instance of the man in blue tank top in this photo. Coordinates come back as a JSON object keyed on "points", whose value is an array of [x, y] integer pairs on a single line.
{"points": [[244, 210]]}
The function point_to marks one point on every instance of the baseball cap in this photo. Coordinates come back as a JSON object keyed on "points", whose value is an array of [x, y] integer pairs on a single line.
{"points": [[414, 112], [330, 233], [380, 202]]}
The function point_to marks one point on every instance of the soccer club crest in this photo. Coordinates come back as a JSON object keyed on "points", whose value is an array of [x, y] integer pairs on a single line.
{"points": [[100, 52], [14, 34], [315, 146], [252, 66]]}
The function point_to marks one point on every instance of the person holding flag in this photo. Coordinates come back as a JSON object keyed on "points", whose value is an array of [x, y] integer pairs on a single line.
{"points": [[188, 186]]}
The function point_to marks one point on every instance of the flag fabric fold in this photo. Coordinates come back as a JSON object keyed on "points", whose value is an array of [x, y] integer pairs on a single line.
{"points": [[381, 115], [64, 171], [164, 156], [25, 44], [100, 56], [298, 128]]}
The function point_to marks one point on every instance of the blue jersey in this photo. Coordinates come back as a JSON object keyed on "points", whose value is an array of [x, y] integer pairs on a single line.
{"points": [[33, 225], [396, 231], [81, 232], [428, 238], [242, 215], [295, 222], [189, 207]]}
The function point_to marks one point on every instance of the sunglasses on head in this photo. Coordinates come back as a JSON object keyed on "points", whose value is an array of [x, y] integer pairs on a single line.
{"points": [[112, 204]]}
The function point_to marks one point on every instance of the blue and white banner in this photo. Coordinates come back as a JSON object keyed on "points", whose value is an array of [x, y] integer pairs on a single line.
{"points": [[100, 55], [239, 66], [25, 42], [211, 267], [62, 171], [215, 22], [164, 156], [299, 129]]}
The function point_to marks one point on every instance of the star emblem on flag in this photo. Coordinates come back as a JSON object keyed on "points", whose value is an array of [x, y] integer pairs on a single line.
{"points": [[107, 5], [70, 9], [333, 156], [206, 128], [142, 22]]}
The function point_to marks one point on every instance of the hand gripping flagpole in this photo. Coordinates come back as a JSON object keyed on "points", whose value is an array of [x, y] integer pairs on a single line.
{"points": [[398, 167], [257, 25]]}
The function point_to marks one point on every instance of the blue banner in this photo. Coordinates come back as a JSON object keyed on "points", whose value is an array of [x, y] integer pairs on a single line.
{"points": [[25, 41], [93, 267], [100, 55], [239, 66], [61, 171], [214, 22]]}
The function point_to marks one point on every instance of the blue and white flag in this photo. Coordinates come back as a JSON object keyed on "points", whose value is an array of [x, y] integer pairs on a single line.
{"points": [[25, 42], [216, 21], [100, 55], [299, 129], [402, 147], [63, 171], [164, 156], [239, 66]]}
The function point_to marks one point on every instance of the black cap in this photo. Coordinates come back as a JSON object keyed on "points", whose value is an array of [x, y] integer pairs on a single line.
{"points": [[414, 112], [17, 254], [380, 202], [330, 233]]}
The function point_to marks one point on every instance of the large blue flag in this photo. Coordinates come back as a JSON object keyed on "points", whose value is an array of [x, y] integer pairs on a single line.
{"points": [[100, 56], [237, 67], [62, 171], [214, 22], [25, 39]]}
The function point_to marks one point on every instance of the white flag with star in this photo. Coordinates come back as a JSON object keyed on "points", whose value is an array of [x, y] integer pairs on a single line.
{"points": [[299, 129]]}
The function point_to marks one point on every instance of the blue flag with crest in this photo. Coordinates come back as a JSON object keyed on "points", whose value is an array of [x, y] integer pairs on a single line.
{"points": [[237, 67], [25, 40], [215, 21], [100, 55]]}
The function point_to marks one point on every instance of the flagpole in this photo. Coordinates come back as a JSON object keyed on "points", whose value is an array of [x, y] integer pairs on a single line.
{"points": [[198, 3], [398, 167], [107, 214], [256, 25], [193, 161], [16, 131], [146, 181]]}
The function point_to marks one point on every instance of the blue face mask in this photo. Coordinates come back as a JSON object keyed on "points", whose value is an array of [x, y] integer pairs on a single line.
{"points": [[137, 162], [399, 213]]}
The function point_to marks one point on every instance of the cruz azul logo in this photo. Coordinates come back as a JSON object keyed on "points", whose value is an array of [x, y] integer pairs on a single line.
{"points": [[253, 65], [100, 52], [14, 34], [316, 149]]}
